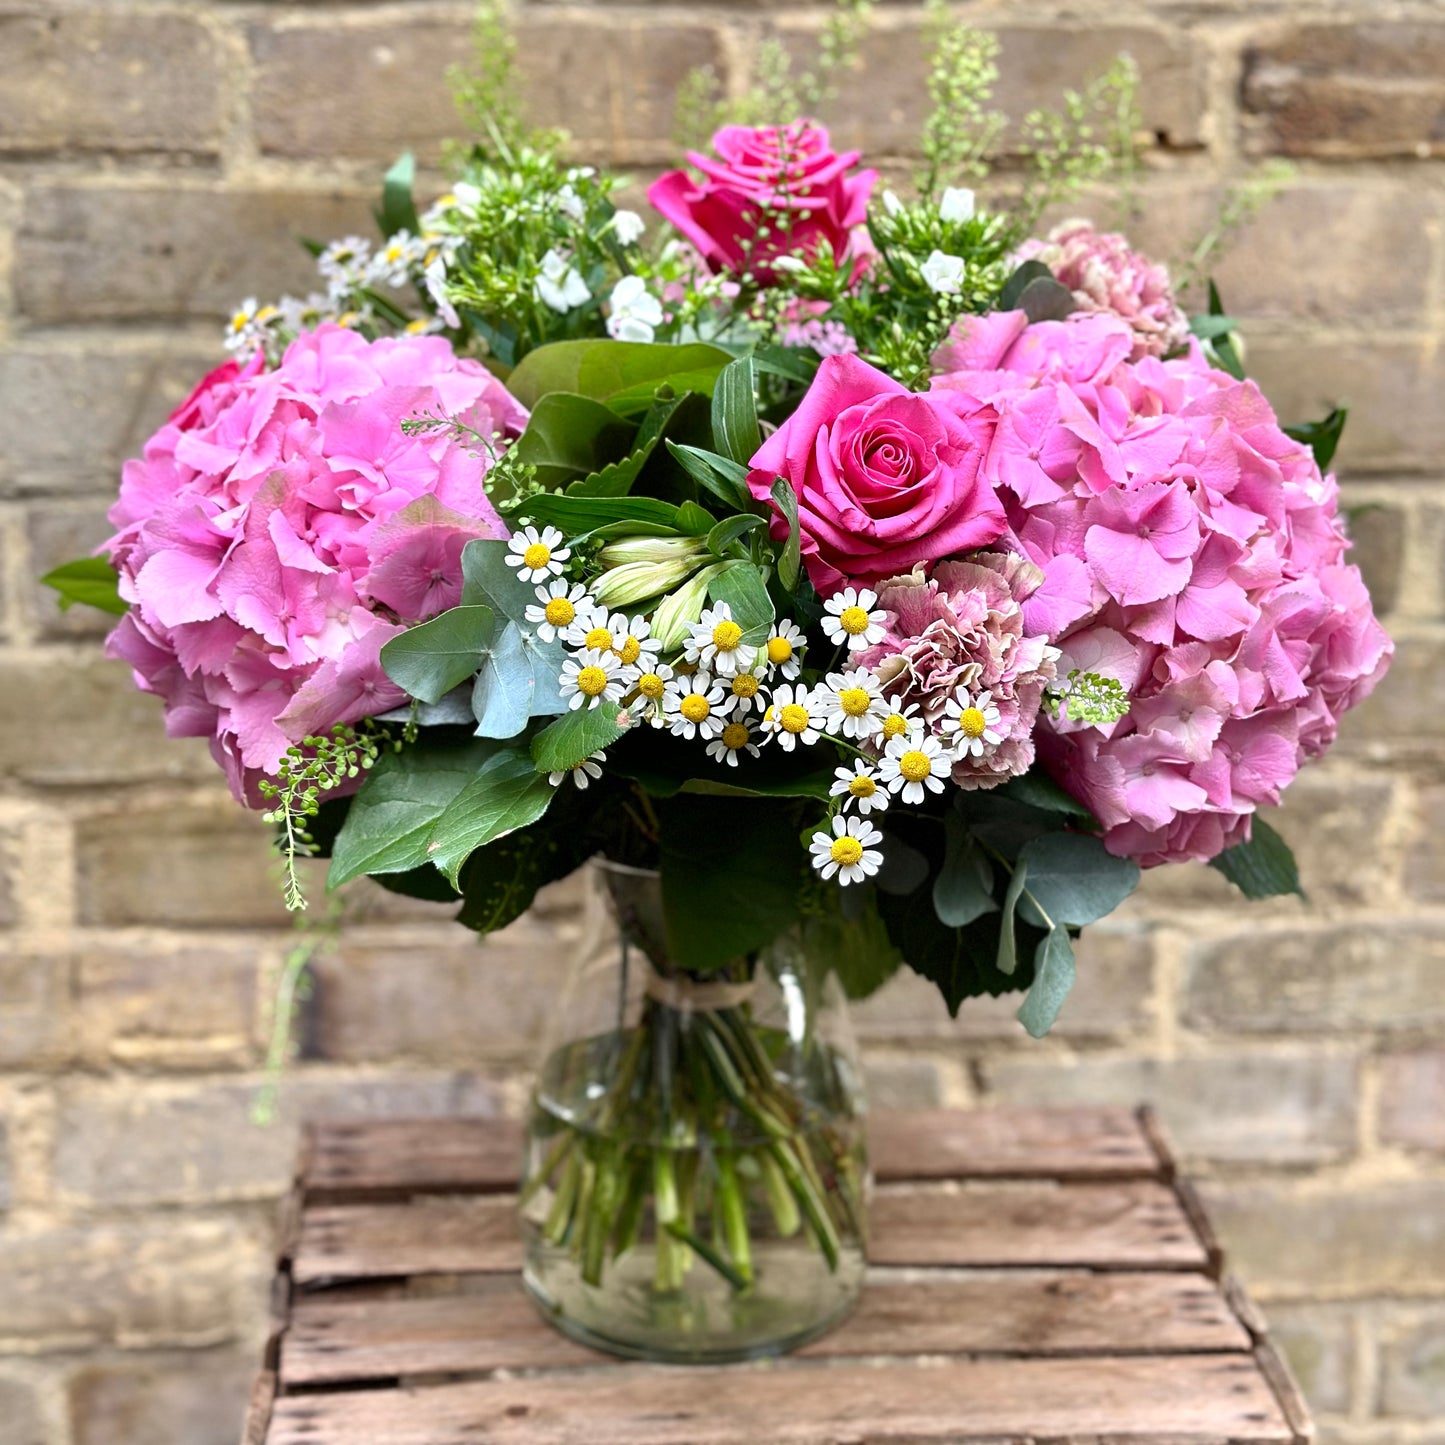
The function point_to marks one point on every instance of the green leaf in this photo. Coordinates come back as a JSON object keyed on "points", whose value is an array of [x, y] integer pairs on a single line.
{"points": [[508, 793], [1053, 978], [1264, 867], [1322, 437], [803, 785], [790, 558], [694, 521], [1045, 299], [1022, 275], [735, 413], [429, 660], [858, 950], [732, 529], [625, 374], [390, 819], [570, 437], [1007, 958], [1074, 879], [574, 736], [963, 889], [398, 209], [786, 362], [91, 581], [904, 867], [1208, 328], [726, 479], [577, 516], [741, 587], [1036, 789], [499, 882]]}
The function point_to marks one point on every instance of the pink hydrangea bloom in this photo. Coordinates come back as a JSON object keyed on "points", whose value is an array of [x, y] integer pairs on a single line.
{"points": [[1191, 550], [281, 527], [963, 626], [1106, 275]]}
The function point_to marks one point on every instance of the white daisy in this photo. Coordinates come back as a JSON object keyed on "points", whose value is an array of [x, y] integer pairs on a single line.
{"points": [[900, 718], [716, 642], [735, 738], [581, 773], [650, 687], [694, 706], [590, 630], [537, 555], [853, 703], [914, 767], [858, 787], [391, 265], [792, 717], [633, 642], [745, 693], [849, 851], [849, 617], [592, 677], [558, 607], [785, 647], [970, 723], [343, 263]]}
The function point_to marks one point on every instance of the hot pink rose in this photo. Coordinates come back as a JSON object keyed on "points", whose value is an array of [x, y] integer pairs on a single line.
{"points": [[885, 477], [786, 178]]}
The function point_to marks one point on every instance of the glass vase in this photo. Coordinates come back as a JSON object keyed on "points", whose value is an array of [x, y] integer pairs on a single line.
{"points": [[695, 1179]]}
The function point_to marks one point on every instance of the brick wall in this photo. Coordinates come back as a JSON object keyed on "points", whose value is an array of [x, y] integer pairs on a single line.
{"points": [[157, 161]]}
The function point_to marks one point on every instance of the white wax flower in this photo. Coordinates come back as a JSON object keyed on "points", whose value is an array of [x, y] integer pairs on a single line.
{"points": [[957, 204]]}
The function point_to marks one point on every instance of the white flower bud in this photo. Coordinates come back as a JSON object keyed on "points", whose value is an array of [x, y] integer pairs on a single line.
{"points": [[957, 204], [678, 611]]}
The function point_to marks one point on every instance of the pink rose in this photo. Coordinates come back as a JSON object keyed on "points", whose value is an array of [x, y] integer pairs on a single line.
{"points": [[786, 178], [885, 477]]}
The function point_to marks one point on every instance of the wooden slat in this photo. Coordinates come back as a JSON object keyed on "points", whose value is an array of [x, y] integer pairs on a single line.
{"points": [[258, 1410], [495, 1326], [394, 1158], [1209, 1397], [1136, 1224]]}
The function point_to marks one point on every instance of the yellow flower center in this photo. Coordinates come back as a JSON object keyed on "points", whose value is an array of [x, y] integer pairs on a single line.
{"points": [[694, 707], [862, 786], [599, 640], [854, 701], [735, 735], [591, 681], [560, 612], [894, 725], [417, 327], [745, 685], [537, 555], [726, 636], [915, 766], [846, 850], [971, 722], [853, 620], [794, 718], [780, 650], [651, 685], [239, 320], [630, 650]]}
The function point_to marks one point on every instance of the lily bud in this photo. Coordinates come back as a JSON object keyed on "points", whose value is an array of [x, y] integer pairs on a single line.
{"points": [[632, 578], [677, 612], [650, 549]]}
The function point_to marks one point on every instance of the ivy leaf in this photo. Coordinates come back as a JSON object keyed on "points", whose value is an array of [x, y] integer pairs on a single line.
{"points": [[963, 889], [1263, 867], [1053, 978], [1007, 958], [506, 794], [390, 819], [1074, 879], [429, 660], [790, 558], [740, 586], [574, 736], [91, 581], [734, 412]]}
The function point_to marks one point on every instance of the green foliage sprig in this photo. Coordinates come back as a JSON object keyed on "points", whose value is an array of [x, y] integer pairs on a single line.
{"points": [[1090, 697], [961, 130]]}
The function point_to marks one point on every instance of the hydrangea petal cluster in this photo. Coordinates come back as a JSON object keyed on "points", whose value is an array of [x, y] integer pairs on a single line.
{"points": [[1192, 551], [787, 179], [281, 527], [1107, 276], [962, 626]]}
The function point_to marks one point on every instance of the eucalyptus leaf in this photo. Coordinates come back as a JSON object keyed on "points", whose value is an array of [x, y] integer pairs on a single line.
{"points": [[1007, 957], [963, 889], [575, 736], [454, 710], [1053, 979], [1019, 279], [1045, 299], [506, 794], [735, 431], [1036, 789], [429, 660], [91, 581], [1074, 879], [1262, 867], [506, 686]]}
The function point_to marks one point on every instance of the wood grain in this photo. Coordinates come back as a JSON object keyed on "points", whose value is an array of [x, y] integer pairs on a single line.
{"points": [[1198, 1397]]}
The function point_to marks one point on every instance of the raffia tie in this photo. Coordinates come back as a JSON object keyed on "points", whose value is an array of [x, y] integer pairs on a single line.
{"points": [[695, 996]]}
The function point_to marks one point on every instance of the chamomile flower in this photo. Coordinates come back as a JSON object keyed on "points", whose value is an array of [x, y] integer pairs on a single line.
{"points": [[735, 738], [848, 851], [694, 707], [849, 617], [852, 702], [581, 773], [715, 642], [558, 608], [745, 694], [590, 632], [249, 325], [858, 787], [592, 677], [649, 689], [343, 263], [537, 555], [791, 716], [899, 719], [391, 265], [632, 641], [784, 649], [970, 723], [915, 766]]}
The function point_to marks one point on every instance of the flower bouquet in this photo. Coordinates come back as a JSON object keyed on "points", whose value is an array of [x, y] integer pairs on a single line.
{"points": [[865, 582]]}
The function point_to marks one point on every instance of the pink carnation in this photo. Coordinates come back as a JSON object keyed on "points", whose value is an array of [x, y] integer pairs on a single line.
{"points": [[281, 527], [1192, 551], [1105, 275], [963, 627]]}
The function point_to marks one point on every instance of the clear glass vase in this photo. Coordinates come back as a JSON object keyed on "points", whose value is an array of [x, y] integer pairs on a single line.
{"points": [[695, 1182]]}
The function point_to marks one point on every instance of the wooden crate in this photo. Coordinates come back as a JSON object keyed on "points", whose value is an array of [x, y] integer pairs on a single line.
{"points": [[1036, 1276]]}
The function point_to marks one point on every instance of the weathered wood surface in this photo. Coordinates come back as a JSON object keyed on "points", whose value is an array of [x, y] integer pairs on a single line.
{"points": [[1037, 1276]]}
